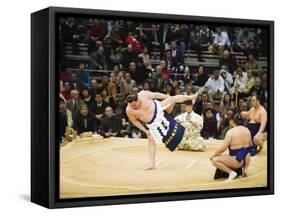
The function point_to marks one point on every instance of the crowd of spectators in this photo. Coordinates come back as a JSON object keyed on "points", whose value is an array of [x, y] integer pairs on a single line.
{"points": [[120, 54]]}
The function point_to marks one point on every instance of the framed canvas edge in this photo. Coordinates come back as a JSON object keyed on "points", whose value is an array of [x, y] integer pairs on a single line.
{"points": [[54, 203]]}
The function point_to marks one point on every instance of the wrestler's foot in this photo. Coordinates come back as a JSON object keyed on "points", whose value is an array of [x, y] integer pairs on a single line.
{"points": [[195, 96], [232, 175], [151, 167]]}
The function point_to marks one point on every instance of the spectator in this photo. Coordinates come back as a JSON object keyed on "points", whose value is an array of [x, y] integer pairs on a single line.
{"points": [[195, 42], [168, 62], [199, 105], [104, 82], [253, 65], [127, 85], [74, 104], [65, 118], [228, 80], [119, 113], [85, 122], [224, 127], [164, 68], [138, 71], [165, 36], [229, 61], [109, 51], [146, 86], [82, 75], [97, 32], [187, 76], [116, 36], [65, 74], [159, 78], [226, 103], [221, 41], [258, 90], [178, 36], [210, 125], [98, 108], [206, 37], [177, 61], [105, 95], [141, 35], [188, 89], [241, 78], [86, 97], [154, 38], [169, 89], [97, 61], [252, 49], [128, 56], [110, 124], [250, 83], [66, 91], [75, 82], [243, 39], [136, 46], [69, 33], [94, 89], [201, 77], [215, 84], [116, 101], [145, 58]]}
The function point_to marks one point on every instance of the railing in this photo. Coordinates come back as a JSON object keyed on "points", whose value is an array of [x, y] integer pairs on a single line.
{"points": [[95, 72]]}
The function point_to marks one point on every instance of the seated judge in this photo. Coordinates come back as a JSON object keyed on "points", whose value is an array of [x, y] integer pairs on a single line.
{"points": [[85, 122], [110, 124], [193, 124]]}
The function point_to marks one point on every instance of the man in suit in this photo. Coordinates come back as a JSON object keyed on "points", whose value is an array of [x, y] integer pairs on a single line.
{"points": [[110, 124], [98, 108], [159, 79], [177, 56], [97, 60], [85, 122], [128, 56], [154, 38], [75, 103], [75, 83]]}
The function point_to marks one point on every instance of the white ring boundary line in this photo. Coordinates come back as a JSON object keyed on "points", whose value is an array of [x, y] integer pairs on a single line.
{"points": [[158, 162], [190, 165]]}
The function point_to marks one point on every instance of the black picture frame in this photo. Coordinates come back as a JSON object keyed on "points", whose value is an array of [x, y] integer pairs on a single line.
{"points": [[44, 100]]}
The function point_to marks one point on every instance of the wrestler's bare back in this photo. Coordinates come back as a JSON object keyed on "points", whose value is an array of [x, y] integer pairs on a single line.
{"points": [[239, 136], [146, 110]]}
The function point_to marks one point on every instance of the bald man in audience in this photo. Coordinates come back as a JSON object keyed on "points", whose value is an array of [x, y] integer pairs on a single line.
{"points": [[257, 117]]}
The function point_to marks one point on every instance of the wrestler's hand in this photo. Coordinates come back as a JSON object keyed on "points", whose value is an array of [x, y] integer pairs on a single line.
{"points": [[148, 134]]}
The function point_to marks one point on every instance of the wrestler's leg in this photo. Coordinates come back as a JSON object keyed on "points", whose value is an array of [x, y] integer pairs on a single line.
{"points": [[226, 163], [246, 166], [169, 103], [259, 140], [151, 152]]}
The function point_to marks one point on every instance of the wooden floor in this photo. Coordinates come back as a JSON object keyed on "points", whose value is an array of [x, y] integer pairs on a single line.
{"points": [[116, 166]]}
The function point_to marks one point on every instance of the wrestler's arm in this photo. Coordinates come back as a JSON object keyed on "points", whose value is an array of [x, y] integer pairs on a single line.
{"points": [[136, 122], [245, 114], [263, 121], [151, 144], [224, 146], [155, 95]]}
